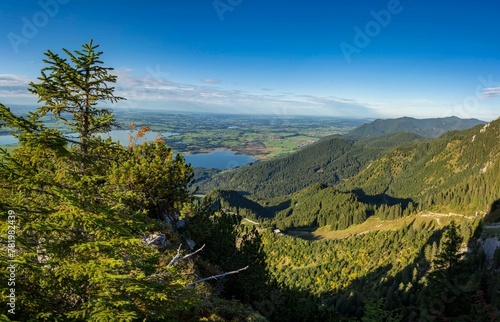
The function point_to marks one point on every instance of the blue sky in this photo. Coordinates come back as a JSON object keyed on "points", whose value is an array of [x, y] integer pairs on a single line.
{"points": [[345, 58]]}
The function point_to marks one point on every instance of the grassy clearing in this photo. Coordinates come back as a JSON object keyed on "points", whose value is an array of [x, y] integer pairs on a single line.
{"points": [[287, 144], [249, 222], [304, 233], [430, 221]]}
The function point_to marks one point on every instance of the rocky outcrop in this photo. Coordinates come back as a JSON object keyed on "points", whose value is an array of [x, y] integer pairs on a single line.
{"points": [[157, 240], [489, 246]]}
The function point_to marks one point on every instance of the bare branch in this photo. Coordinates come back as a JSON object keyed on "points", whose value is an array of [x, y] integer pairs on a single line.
{"points": [[177, 257], [191, 285]]}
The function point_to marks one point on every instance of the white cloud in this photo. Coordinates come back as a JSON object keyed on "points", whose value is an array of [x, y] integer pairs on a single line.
{"points": [[14, 87], [211, 80], [491, 92], [157, 91], [13, 80]]}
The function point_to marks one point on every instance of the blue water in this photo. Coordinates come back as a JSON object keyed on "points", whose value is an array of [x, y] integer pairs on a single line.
{"points": [[218, 159], [7, 139]]}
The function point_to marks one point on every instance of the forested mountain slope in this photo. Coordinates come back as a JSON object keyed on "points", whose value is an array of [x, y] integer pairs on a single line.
{"points": [[457, 171], [314, 206], [328, 161], [433, 127]]}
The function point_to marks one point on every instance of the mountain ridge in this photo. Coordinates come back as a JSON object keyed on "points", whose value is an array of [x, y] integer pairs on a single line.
{"points": [[457, 164], [429, 127]]}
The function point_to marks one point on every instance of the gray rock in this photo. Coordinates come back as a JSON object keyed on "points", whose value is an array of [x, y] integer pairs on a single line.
{"points": [[489, 247], [157, 240]]}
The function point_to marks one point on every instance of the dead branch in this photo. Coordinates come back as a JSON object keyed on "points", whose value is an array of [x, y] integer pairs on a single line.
{"points": [[191, 285], [178, 258]]}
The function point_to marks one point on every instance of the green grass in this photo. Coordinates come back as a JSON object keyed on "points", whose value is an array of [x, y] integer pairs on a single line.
{"points": [[248, 223], [431, 221], [262, 142]]}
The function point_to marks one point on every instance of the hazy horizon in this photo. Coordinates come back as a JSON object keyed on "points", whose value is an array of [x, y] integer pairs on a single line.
{"points": [[123, 109]]}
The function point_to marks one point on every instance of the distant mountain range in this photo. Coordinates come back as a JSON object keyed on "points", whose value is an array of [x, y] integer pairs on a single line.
{"points": [[431, 128]]}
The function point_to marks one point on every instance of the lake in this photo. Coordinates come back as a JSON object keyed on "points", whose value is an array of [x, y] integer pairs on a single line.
{"points": [[7, 139], [218, 159]]}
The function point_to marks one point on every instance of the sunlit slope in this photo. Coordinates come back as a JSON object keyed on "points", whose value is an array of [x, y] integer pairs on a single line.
{"points": [[424, 220], [457, 171]]}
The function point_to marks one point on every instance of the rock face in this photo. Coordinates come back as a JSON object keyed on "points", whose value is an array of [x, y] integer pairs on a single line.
{"points": [[191, 243], [489, 247], [157, 240]]}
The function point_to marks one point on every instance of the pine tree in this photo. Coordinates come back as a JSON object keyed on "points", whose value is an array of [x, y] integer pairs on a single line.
{"points": [[450, 245], [75, 88], [149, 178], [375, 312]]}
